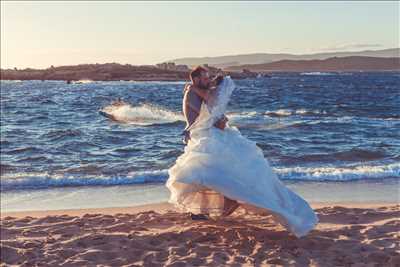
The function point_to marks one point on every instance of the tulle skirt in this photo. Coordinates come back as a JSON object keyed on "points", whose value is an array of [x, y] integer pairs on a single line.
{"points": [[218, 163]]}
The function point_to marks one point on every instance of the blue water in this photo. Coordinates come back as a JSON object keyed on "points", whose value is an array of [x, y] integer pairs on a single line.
{"points": [[338, 127]]}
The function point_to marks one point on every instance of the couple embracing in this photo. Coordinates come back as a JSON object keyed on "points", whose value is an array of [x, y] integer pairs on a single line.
{"points": [[221, 170]]}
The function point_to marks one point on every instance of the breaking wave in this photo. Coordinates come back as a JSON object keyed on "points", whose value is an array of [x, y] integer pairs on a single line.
{"points": [[44, 180], [317, 73], [346, 173], [18, 181], [289, 112], [144, 114]]}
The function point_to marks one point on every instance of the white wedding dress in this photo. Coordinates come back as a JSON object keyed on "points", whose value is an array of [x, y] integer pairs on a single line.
{"points": [[218, 163]]}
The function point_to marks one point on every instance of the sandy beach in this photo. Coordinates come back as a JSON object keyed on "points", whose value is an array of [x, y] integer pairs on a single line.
{"points": [[349, 234]]}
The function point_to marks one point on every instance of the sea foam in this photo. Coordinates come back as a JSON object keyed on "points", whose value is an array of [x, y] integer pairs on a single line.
{"points": [[15, 181]]}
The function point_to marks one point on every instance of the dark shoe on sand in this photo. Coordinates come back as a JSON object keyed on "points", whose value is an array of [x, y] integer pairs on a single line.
{"points": [[230, 206], [198, 216]]}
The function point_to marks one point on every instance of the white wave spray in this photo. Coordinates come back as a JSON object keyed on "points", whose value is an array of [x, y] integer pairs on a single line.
{"points": [[346, 173], [144, 114]]}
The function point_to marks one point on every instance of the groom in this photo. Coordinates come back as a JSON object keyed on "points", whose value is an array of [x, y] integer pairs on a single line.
{"points": [[194, 94]]}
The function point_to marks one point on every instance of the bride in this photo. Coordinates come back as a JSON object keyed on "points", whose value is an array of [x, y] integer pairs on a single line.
{"points": [[219, 165]]}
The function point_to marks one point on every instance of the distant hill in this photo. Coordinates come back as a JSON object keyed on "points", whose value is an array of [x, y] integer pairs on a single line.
{"points": [[259, 58], [353, 63]]}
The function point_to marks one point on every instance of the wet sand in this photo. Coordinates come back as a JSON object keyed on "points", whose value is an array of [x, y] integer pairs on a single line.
{"points": [[349, 234]]}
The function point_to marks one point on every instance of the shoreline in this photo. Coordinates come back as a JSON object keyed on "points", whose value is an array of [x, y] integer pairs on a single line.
{"points": [[163, 207], [129, 196]]}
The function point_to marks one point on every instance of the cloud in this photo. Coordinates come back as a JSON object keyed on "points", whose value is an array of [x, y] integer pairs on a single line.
{"points": [[350, 46]]}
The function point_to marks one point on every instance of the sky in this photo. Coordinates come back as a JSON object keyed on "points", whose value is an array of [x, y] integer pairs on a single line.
{"points": [[38, 34]]}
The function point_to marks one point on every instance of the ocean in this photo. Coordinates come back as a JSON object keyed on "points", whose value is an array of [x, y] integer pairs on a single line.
{"points": [[329, 136]]}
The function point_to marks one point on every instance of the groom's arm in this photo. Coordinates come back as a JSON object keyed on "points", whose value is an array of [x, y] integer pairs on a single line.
{"points": [[192, 110], [189, 103], [204, 94]]}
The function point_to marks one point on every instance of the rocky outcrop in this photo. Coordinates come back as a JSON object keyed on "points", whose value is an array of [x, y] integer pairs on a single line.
{"points": [[107, 72]]}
